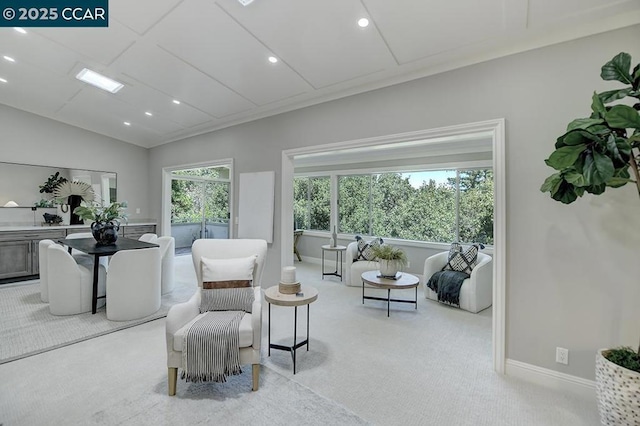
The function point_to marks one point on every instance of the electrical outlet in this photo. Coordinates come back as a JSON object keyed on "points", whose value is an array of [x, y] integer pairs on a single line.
{"points": [[562, 356], [138, 211]]}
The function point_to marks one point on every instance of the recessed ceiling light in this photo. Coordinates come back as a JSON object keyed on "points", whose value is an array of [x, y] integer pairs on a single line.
{"points": [[20, 30], [9, 58], [149, 114], [99, 80], [273, 59], [126, 123], [177, 102], [245, 2], [363, 22], [3, 80]]}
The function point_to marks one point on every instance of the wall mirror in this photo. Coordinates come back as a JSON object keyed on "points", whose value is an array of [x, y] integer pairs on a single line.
{"points": [[20, 183]]}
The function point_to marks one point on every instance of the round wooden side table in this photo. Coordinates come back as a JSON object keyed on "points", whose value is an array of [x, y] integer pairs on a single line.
{"points": [[274, 297], [338, 250]]}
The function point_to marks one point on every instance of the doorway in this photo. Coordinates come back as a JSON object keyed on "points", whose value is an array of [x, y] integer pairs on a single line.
{"points": [[493, 129], [199, 201]]}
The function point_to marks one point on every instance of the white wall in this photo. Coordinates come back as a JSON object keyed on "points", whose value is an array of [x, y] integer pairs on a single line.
{"points": [[571, 280], [31, 139]]}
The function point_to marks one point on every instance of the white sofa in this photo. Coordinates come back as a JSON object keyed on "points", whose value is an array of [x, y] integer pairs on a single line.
{"points": [[476, 292], [355, 269]]}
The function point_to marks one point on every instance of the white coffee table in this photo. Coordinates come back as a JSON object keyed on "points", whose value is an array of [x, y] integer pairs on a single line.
{"points": [[405, 281], [273, 296]]}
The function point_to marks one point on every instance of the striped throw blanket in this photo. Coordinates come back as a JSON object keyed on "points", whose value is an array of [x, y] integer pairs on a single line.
{"points": [[211, 347]]}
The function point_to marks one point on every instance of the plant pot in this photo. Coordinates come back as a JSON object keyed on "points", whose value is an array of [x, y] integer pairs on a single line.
{"points": [[388, 268], [618, 391], [105, 233]]}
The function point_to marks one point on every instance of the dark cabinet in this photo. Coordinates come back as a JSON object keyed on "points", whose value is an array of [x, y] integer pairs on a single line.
{"points": [[19, 251]]}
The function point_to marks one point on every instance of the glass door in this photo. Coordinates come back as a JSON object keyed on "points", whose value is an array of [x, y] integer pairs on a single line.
{"points": [[199, 205]]}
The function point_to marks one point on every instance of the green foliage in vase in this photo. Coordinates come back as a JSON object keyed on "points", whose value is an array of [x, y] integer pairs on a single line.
{"points": [[601, 150], [45, 203], [51, 183], [94, 212], [389, 252], [624, 357]]}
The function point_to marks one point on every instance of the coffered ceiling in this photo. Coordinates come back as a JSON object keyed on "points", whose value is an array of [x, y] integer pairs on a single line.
{"points": [[212, 55]]}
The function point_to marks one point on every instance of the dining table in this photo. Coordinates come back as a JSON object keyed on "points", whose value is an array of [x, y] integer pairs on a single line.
{"points": [[91, 247]]}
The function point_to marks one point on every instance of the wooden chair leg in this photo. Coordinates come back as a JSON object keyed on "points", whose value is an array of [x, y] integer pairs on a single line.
{"points": [[173, 378], [256, 376]]}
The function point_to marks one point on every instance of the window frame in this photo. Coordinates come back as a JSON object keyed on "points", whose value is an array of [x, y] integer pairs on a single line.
{"points": [[308, 204], [334, 175]]}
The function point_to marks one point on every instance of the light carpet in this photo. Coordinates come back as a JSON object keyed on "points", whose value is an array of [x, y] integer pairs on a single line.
{"points": [[27, 328], [121, 379], [427, 366]]}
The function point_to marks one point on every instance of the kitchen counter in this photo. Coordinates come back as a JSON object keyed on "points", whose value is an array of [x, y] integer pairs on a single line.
{"points": [[27, 227]]}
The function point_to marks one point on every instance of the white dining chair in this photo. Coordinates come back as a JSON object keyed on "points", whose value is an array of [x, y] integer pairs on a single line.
{"points": [[43, 269], [70, 284], [167, 255], [133, 284]]}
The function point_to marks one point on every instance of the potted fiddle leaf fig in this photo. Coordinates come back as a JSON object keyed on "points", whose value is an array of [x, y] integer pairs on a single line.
{"points": [[599, 152]]}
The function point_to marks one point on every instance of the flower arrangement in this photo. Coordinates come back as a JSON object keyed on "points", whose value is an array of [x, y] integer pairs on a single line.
{"points": [[94, 212]]}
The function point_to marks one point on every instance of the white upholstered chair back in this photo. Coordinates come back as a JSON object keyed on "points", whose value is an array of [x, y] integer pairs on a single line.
{"points": [[167, 255], [230, 249], [43, 269], [148, 238], [133, 284], [70, 284], [84, 258]]}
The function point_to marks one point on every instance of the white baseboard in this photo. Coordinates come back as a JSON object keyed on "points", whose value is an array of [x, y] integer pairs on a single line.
{"points": [[309, 259], [551, 378]]}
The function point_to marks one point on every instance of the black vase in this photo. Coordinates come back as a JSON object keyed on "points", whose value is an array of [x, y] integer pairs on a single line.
{"points": [[74, 201], [105, 233]]}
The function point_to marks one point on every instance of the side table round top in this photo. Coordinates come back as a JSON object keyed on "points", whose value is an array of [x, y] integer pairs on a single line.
{"points": [[334, 248], [272, 295], [405, 281]]}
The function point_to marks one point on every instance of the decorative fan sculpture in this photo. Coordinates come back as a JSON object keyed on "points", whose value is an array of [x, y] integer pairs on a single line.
{"points": [[69, 188]]}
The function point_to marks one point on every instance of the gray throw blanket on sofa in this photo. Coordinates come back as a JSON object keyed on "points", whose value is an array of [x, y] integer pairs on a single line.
{"points": [[447, 284], [211, 348]]}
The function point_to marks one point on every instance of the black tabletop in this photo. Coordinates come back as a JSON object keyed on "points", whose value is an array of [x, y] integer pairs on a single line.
{"points": [[90, 245]]}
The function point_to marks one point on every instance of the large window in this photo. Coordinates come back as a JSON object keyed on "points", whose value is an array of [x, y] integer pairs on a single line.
{"points": [[312, 203], [436, 206]]}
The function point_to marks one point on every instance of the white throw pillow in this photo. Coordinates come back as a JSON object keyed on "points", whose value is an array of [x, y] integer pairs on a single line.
{"points": [[227, 284]]}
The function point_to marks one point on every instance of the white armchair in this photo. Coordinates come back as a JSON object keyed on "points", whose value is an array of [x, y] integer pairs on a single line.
{"points": [[476, 292], [355, 269], [181, 316], [133, 284], [70, 285]]}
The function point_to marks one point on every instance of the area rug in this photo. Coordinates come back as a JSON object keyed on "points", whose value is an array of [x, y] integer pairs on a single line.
{"points": [[27, 328]]}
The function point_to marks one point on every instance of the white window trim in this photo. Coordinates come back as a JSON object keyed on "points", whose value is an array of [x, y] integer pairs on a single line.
{"points": [[495, 128]]}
